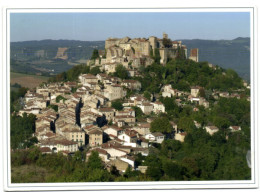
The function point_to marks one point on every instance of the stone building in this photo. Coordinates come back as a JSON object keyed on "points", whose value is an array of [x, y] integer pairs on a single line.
{"points": [[131, 49], [194, 54]]}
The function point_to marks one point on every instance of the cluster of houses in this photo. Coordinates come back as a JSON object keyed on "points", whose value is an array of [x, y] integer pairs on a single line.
{"points": [[74, 115], [82, 105]]}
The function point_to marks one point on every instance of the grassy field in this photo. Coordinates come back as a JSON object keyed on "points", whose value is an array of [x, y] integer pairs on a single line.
{"points": [[26, 80], [28, 174]]}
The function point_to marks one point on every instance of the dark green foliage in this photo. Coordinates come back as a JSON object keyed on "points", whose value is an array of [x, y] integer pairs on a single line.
{"points": [[55, 107], [22, 129], [154, 170], [138, 111], [16, 85], [72, 74], [169, 103], [161, 124], [58, 98], [95, 70], [121, 72], [94, 161], [95, 54], [167, 43], [147, 95], [117, 104], [15, 103], [182, 74], [157, 56], [173, 170], [186, 124]]}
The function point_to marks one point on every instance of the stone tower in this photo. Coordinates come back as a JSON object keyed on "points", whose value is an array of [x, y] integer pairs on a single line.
{"points": [[153, 43], [165, 36], [194, 54]]}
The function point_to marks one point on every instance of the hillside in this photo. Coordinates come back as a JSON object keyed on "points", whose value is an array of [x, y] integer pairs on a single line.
{"points": [[234, 54], [29, 56]]}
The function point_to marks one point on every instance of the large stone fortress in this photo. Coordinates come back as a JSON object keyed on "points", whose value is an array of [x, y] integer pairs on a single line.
{"points": [[127, 49]]}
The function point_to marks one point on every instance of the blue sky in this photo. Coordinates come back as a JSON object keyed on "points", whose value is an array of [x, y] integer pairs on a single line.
{"points": [[100, 26]]}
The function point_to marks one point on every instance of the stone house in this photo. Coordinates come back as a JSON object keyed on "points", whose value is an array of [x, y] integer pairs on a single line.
{"points": [[88, 78], [132, 84], [142, 129], [129, 138], [180, 136], [59, 144], [224, 94], [109, 112], [112, 130], [110, 67], [130, 120], [75, 134], [211, 129], [155, 137], [142, 169], [113, 92], [120, 165], [70, 84], [174, 126], [195, 91], [129, 159], [234, 128], [125, 112], [34, 111], [147, 108], [158, 107], [115, 152], [95, 137], [103, 154]]}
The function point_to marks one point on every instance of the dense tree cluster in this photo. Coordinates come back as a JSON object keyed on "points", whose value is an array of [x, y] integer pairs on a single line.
{"points": [[121, 72], [117, 104], [22, 129], [182, 74], [72, 74]]}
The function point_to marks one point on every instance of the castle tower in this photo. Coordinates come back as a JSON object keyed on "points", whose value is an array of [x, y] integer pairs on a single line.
{"points": [[194, 54], [165, 36], [153, 43]]}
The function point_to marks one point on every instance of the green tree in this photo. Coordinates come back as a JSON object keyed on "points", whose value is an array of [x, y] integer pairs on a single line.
{"points": [[161, 124], [94, 161], [121, 72], [21, 130], [147, 95], [186, 124], [138, 111], [55, 107], [59, 97], [95, 70], [95, 54], [167, 43], [157, 56], [117, 104]]}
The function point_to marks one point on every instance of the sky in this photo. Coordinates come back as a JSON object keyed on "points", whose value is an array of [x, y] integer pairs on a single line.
{"points": [[100, 26]]}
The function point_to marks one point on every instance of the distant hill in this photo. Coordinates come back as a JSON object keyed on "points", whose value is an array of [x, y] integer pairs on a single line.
{"points": [[47, 49], [234, 54]]}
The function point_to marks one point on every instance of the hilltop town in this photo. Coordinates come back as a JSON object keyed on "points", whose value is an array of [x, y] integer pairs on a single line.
{"points": [[83, 114]]}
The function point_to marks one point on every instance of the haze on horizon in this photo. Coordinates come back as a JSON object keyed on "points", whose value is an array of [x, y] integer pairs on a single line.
{"points": [[100, 26]]}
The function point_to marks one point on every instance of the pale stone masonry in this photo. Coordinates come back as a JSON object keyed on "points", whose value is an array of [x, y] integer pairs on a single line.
{"points": [[139, 48]]}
